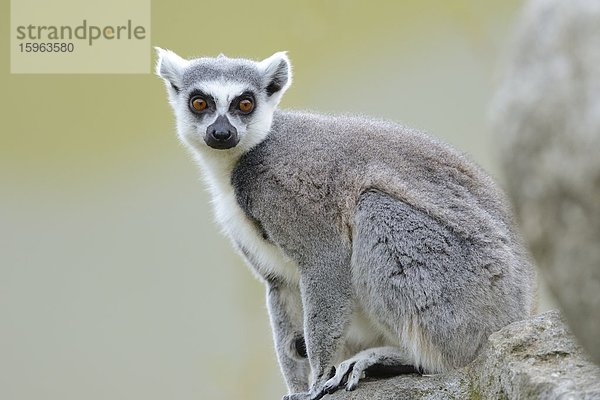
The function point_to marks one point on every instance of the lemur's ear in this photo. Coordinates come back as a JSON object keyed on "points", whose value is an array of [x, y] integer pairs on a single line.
{"points": [[277, 73], [170, 67]]}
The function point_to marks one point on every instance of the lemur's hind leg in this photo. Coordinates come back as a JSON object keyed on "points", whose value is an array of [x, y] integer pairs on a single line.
{"points": [[438, 293], [380, 361]]}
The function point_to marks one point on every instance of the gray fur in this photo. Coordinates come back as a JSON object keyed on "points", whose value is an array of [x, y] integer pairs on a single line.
{"points": [[239, 70], [404, 250]]}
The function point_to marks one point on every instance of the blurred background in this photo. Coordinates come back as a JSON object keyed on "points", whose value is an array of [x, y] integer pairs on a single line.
{"points": [[114, 281]]}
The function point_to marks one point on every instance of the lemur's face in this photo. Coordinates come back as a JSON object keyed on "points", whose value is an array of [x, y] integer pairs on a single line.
{"points": [[223, 103]]}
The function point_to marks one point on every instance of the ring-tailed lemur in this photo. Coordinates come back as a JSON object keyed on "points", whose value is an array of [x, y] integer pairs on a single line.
{"points": [[380, 246]]}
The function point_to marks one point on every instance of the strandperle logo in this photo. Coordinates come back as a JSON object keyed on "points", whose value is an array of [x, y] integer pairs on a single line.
{"points": [[85, 31], [80, 36]]}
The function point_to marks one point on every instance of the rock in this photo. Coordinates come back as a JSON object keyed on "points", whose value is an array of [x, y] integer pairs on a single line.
{"points": [[434, 387], [546, 119], [533, 359]]}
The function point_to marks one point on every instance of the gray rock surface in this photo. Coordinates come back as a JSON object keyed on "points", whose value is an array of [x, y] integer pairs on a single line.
{"points": [[532, 359], [546, 119]]}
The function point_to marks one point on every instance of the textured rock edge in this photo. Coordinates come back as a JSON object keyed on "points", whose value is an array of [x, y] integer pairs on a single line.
{"points": [[536, 358]]}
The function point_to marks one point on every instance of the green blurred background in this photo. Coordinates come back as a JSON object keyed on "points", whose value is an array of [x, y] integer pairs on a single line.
{"points": [[114, 281]]}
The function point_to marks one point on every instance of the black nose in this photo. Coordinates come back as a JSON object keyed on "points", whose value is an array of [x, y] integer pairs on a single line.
{"points": [[221, 130], [221, 134]]}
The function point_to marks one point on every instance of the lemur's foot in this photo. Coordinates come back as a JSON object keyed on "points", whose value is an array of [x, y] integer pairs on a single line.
{"points": [[317, 391], [312, 395], [381, 361], [297, 396]]}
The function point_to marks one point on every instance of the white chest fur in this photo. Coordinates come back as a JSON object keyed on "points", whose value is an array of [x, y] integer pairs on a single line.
{"points": [[265, 257]]}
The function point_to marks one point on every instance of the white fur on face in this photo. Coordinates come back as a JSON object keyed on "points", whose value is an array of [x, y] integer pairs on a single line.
{"points": [[223, 92], [251, 132]]}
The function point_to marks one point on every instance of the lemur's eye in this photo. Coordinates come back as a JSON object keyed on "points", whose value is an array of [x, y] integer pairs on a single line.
{"points": [[197, 103], [246, 106]]}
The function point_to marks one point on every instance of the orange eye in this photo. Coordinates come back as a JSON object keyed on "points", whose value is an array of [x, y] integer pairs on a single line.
{"points": [[246, 106], [198, 104]]}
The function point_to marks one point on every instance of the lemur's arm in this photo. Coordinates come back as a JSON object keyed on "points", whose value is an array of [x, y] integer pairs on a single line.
{"points": [[326, 296], [285, 311]]}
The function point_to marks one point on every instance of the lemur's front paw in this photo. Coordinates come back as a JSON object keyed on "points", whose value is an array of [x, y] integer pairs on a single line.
{"points": [[317, 391], [305, 396], [312, 395]]}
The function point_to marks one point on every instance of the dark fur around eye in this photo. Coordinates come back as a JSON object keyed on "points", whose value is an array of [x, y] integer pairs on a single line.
{"points": [[210, 102], [234, 106]]}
